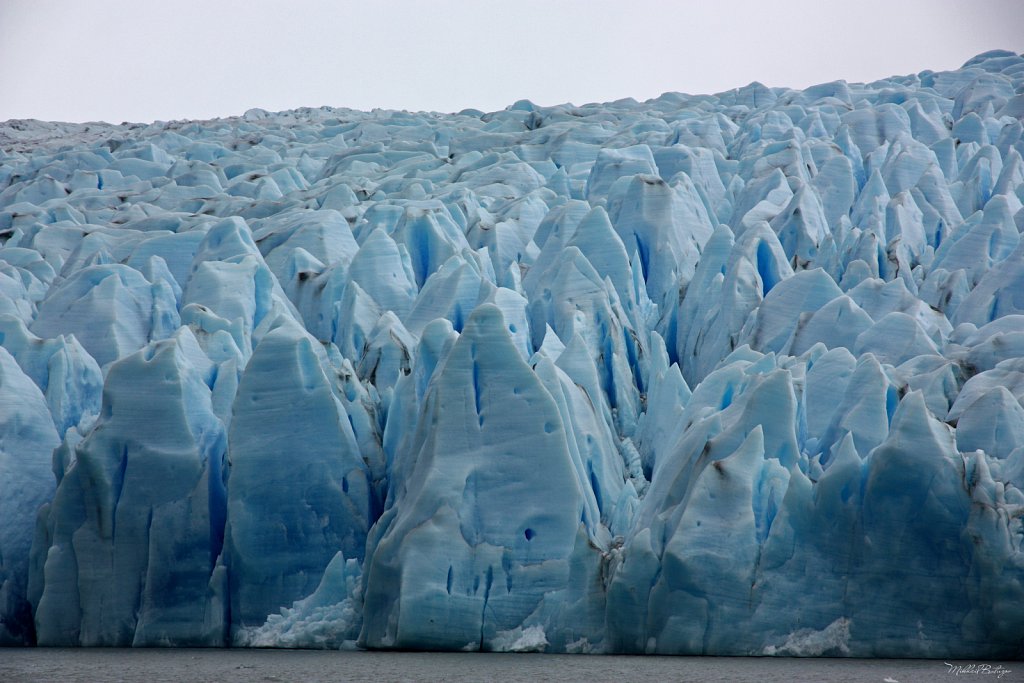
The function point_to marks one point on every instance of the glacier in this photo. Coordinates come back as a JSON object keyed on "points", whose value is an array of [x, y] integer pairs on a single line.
{"points": [[730, 374]]}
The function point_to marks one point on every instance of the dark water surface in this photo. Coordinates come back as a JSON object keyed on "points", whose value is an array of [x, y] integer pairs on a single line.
{"points": [[174, 665]]}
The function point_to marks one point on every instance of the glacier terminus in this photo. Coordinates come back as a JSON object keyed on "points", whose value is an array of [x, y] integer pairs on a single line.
{"points": [[731, 374]]}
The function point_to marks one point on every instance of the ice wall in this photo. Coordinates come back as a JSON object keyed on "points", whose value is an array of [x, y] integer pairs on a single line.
{"points": [[738, 373]]}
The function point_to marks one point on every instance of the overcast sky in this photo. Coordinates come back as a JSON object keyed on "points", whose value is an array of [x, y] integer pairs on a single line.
{"points": [[141, 60]]}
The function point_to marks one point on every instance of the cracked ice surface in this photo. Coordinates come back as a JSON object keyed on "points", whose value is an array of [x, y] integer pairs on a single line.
{"points": [[729, 374]]}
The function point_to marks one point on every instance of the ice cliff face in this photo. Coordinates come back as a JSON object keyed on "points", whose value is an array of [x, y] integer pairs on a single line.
{"points": [[729, 374]]}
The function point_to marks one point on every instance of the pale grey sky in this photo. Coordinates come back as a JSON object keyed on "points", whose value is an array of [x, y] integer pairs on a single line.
{"points": [[140, 60]]}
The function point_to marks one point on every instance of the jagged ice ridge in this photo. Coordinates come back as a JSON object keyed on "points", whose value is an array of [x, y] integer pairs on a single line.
{"points": [[727, 374]]}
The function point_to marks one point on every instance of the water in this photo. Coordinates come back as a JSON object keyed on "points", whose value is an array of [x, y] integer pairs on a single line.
{"points": [[226, 666]]}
